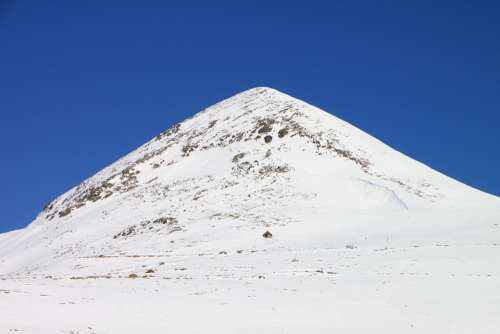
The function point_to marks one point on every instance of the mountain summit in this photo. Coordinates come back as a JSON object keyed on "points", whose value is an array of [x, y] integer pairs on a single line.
{"points": [[258, 159], [262, 174], [263, 136]]}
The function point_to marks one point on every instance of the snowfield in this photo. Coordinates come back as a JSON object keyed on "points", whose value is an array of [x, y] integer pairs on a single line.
{"points": [[169, 239]]}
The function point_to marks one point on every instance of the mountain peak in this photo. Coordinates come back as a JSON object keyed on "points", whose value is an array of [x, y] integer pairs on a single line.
{"points": [[263, 135], [266, 98], [258, 159], [258, 191], [261, 90]]}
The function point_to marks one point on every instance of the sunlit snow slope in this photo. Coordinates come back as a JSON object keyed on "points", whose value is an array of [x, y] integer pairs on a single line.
{"points": [[194, 202]]}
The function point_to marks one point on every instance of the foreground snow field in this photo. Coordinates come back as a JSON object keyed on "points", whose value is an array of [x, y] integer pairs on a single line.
{"points": [[169, 239]]}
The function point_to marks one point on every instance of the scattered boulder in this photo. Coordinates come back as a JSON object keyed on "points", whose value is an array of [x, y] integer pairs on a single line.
{"points": [[238, 157], [271, 169], [65, 212], [212, 124], [173, 130], [267, 235], [48, 207], [265, 128], [265, 125], [165, 220], [268, 139], [126, 232], [188, 148], [283, 132]]}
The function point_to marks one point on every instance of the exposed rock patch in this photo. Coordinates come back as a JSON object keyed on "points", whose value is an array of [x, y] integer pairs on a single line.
{"points": [[169, 132], [163, 224]]}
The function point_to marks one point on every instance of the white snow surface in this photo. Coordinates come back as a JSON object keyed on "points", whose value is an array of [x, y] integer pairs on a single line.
{"points": [[169, 239]]}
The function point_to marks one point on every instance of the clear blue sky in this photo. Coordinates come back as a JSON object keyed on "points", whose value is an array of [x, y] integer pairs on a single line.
{"points": [[84, 82]]}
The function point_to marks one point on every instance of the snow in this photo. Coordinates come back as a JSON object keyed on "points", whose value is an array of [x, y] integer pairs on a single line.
{"points": [[365, 239]]}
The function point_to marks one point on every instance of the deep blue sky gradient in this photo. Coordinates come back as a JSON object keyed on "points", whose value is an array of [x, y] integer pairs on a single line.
{"points": [[84, 82]]}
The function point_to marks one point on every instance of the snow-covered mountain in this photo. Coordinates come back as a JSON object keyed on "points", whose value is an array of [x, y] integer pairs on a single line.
{"points": [[191, 207]]}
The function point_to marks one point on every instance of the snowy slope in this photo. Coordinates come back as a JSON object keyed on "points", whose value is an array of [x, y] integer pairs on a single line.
{"points": [[357, 229]]}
